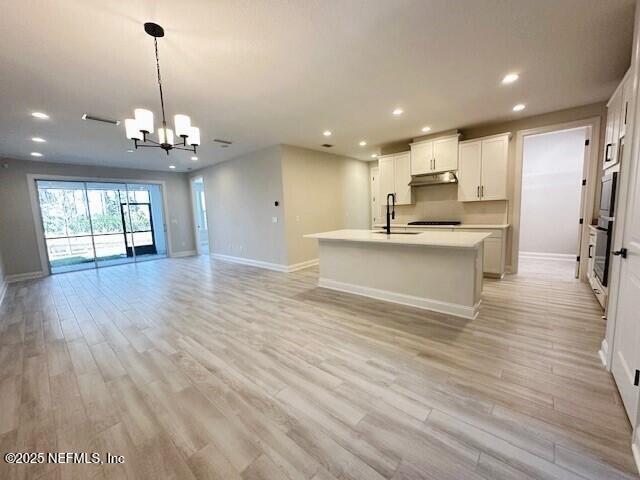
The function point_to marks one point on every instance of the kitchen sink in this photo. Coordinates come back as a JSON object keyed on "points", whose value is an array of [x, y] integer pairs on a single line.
{"points": [[399, 233]]}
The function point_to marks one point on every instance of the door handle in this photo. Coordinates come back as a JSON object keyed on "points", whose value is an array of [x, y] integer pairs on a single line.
{"points": [[607, 151], [622, 253], [590, 247]]}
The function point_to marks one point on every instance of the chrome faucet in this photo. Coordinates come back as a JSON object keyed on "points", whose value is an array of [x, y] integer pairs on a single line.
{"points": [[391, 214]]}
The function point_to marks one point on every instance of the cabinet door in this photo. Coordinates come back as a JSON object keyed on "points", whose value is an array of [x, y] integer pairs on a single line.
{"points": [[495, 154], [421, 158], [624, 107], [445, 152], [402, 178], [492, 256], [386, 181], [613, 130], [469, 172]]}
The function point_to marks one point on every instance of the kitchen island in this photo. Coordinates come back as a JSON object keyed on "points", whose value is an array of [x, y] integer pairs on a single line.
{"points": [[435, 270]]}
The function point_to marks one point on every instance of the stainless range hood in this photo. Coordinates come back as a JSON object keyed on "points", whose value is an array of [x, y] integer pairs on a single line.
{"points": [[433, 179]]}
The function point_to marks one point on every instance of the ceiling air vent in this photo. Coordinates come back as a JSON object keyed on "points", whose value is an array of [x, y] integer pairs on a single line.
{"points": [[327, 145], [86, 116], [222, 143]]}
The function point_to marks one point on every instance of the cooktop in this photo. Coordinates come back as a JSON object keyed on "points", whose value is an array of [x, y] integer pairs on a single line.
{"points": [[435, 222]]}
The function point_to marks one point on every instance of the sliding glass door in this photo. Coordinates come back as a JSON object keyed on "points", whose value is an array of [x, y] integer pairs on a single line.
{"points": [[94, 224]]}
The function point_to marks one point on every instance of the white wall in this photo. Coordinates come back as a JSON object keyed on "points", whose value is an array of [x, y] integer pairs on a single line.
{"points": [[18, 240], [551, 188]]}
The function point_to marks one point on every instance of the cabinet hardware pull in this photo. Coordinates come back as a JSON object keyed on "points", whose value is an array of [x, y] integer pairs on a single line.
{"points": [[478, 191], [622, 252], [482, 191], [590, 247], [607, 151]]}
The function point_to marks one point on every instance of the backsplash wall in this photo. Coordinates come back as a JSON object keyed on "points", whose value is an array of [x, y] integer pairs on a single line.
{"points": [[440, 202]]}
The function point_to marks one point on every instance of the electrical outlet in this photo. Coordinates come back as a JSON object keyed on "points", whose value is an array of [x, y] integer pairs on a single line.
{"points": [[274, 219]]}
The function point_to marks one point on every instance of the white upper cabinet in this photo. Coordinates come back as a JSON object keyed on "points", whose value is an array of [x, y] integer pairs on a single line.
{"points": [[394, 177], [433, 156], [402, 176], [421, 158], [482, 170], [495, 155], [469, 171], [445, 153], [617, 119]]}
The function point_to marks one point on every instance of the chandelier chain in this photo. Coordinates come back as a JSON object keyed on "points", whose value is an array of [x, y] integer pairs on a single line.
{"points": [[164, 121]]}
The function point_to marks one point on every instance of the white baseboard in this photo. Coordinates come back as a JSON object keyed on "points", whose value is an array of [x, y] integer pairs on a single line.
{"points": [[562, 257], [250, 262], [604, 353], [186, 253], [635, 448], [403, 299], [302, 265], [277, 267], [20, 277]]}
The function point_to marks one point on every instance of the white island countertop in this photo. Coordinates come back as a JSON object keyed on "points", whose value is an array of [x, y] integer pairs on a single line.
{"points": [[430, 238], [502, 226]]}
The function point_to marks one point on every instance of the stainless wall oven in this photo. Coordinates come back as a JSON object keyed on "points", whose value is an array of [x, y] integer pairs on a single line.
{"points": [[605, 228]]}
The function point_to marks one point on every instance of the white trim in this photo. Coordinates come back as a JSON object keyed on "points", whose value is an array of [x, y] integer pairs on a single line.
{"points": [[3, 290], [302, 265], [603, 353], [186, 253], [35, 208], [19, 277], [562, 257], [589, 172], [194, 212], [635, 448], [250, 262], [403, 299]]}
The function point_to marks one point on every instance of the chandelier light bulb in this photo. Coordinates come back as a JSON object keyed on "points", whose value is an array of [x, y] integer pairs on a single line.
{"points": [[132, 130], [182, 124], [165, 136], [194, 136], [144, 119]]}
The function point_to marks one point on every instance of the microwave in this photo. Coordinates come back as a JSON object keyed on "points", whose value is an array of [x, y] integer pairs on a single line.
{"points": [[608, 195]]}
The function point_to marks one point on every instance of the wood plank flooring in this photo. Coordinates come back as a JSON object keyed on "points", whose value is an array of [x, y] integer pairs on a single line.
{"points": [[193, 368]]}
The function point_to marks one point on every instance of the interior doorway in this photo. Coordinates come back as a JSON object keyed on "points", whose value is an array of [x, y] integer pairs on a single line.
{"points": [[200, 215], [94, 224], [553, 199]]}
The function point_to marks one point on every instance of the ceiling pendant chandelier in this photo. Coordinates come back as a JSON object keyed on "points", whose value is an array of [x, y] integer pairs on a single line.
{"points": [[139, 127]]}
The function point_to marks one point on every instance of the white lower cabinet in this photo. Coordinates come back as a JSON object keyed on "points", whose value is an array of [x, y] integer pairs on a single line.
{"points": [[495, 246]]}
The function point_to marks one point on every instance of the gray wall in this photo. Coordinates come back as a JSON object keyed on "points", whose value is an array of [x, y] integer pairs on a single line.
{"points": [[17, 228], [316, 192], [322, 192], [240, 196]]}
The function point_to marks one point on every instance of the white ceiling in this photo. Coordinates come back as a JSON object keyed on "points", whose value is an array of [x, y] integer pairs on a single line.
{"points": [[261, 72]]}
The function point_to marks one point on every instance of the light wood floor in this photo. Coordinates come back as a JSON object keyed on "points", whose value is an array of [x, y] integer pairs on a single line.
{"points": [[192, 368]]}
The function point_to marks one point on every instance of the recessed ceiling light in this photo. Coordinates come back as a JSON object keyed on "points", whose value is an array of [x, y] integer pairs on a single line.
{"points": [[426, 129], [519, 107], [129, 151], [398, 111], [327, 133], [194, 158], [38, 139], [40, 115], [36, 154], [374, 155], [172, 167], [510, 78], [363, 143]]}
